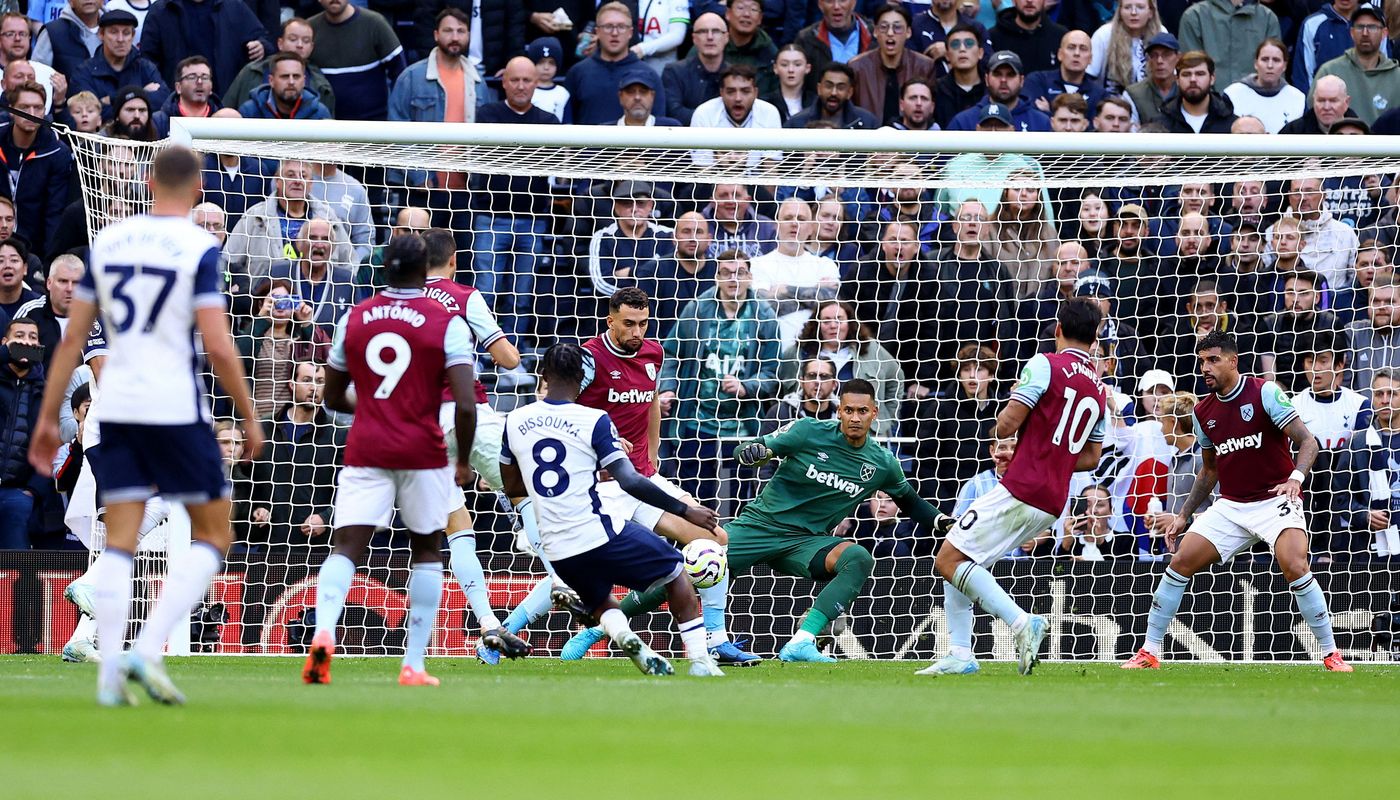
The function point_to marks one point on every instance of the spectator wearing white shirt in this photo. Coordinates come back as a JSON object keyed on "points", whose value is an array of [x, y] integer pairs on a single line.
{"points": [[662, 25], [737, 106], [1264, 94], [792, 277]]}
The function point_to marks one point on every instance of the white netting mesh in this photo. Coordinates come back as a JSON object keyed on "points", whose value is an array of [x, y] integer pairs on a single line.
{"points": [[951, 298]]}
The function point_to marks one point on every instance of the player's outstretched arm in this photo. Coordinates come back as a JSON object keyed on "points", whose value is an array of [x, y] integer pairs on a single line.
{"points": [[213, 326], [1206, 479], [923, 512], [753, 454], [336, 394], [503, 353], [44, 443], [461, 378], [639, 487], [512, 482], [1089, 457]]}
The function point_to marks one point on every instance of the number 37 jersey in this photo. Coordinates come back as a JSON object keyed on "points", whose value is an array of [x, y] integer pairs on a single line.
{"points": [[148, 276], [1068, 405], [397, 347]]}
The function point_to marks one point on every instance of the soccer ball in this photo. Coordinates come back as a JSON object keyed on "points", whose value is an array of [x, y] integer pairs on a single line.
{"points": [[705, 563]]}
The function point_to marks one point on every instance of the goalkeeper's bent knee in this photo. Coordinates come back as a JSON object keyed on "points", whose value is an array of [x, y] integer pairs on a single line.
{"points": [[855, 560]]}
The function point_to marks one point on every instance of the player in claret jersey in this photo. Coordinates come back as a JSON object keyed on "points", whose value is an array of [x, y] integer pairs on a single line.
{"points": [[469, 304], [1244, 428], [1057, 413], [398, 348]]}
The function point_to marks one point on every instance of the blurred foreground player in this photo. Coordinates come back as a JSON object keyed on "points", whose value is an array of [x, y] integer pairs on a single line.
{"points": [[1057, 411], [1244, 428], [398, 348], [156, 278], [554, 449]]}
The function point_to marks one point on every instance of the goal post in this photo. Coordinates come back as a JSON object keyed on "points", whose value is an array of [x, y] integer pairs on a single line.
{"points": [[929, 263]]}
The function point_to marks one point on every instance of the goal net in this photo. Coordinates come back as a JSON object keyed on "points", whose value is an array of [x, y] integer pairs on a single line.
{"points": [[780, 263]]}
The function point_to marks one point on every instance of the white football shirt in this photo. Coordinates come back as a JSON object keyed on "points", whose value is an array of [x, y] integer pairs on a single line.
{"points": [[148, 275], [559, 448]]}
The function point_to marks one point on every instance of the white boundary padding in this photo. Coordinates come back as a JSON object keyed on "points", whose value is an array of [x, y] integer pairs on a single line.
{"points": [[191, 131]]}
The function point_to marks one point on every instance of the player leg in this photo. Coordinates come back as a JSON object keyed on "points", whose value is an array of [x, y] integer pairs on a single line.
{"points": [[187, 466], [424, 600], [844, 565], [461, 538], [364, 501], [1215, 535], [959, 660], [996, 523], [1291, 552]]}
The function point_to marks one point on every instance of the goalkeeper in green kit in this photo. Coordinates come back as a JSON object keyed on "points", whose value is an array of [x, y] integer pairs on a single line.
{"points": [[829, 468]]}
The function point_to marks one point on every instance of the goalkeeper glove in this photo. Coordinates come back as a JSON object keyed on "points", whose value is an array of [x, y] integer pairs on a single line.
{"points": [[944, 524], [754, 454]]}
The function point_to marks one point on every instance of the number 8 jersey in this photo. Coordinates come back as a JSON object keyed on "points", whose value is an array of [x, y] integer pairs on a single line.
{"points": [[1068, 405], [148, 275], [397, 347]]}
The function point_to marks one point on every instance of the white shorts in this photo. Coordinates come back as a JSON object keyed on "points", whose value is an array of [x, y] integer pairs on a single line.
{"points": [[995, 523], [622, 506], [368, 495], [486, 444], [1234, 527]]}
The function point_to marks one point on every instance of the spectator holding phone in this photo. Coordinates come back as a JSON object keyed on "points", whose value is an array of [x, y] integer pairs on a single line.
{"points": [[1087, 535], [279, 336]]}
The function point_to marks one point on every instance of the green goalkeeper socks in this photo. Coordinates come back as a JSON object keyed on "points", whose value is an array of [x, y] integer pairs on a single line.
{"points": [[853, 568], [638, 603]]}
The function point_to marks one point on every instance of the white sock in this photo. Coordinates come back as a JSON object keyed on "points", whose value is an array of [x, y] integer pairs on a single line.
{"points": [[332, 585], [614, 623], [154, 514], [693, 637], [85, 629], [466, 567], [424, 599], [111, 581], [803, 636], [185, 586]]}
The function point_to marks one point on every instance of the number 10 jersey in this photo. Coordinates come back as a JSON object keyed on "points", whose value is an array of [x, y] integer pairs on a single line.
{"points": [[1068, 405], [397, 347]]}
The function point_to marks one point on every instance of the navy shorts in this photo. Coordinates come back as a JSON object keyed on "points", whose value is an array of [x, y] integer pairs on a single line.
{"points": [[135, 462], [635, 558]]}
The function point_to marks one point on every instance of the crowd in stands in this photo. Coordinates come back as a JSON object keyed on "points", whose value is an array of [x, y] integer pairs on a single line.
{"points": [[765, 297]]}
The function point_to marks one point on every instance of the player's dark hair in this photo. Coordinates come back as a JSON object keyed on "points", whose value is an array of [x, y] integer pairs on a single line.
{"points": [[442, 245], [405, 259], [1218, 338], [632, 297], [858, 386], [562, 362], [176, 167], [1079, 319]]}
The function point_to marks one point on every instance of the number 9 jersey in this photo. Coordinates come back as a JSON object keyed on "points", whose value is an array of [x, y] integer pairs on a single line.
{"points": [[149, 275], [397, 346], [1068, 410]]}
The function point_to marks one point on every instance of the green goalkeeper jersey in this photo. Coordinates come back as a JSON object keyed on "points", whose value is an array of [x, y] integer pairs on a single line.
{"points": [[821, 479]]}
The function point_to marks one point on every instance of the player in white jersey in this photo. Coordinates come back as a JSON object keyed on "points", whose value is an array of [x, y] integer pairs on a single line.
{"points": [[486, 333], [155, 278], [553, 449]]}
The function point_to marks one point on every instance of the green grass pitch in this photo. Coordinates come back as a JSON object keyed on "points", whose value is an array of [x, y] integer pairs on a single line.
{"points": [[541, 728]]}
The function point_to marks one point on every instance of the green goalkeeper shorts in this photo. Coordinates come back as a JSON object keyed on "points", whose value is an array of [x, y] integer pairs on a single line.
{"points": [[800, 554]]}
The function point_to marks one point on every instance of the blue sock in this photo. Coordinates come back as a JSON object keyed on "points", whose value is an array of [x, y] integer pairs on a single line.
{"points": [[535, 605], [958, 608], [1165, 601], [466, 567], [424, 597], [979, 585], [1312, 604], [332, 585], [712, 602]]}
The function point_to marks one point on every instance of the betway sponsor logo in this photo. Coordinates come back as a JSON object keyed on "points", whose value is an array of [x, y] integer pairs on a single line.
{"points": [[1239, 443], [835, 481], [631, 396]]}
